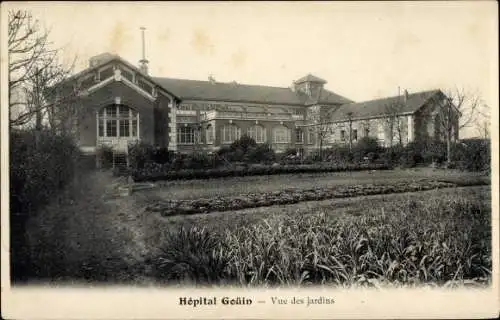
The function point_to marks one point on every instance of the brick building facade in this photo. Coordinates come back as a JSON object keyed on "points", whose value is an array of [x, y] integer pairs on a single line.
{"points": [[122, 103]]}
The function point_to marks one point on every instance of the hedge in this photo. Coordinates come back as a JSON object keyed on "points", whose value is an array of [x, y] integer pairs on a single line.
{"points": [[41, 164], [143, 175]]}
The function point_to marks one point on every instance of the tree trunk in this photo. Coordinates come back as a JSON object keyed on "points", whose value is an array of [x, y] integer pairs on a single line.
{"points": [[321, 149], [448, 150]]}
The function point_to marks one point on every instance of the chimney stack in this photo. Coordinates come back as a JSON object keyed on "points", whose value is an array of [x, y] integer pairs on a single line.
{"points": [[211, 78], [406, 96], [143, 63]]}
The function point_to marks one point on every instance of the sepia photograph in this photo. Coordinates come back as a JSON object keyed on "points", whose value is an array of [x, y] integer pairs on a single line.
{"points": [[251, 146]]}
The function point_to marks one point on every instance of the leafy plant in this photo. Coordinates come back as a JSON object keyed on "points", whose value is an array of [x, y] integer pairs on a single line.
{"points": [[192, 255]]}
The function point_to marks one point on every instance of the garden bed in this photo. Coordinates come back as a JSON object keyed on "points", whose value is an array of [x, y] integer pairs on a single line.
{"points": [[291, 196], [151, 174]]}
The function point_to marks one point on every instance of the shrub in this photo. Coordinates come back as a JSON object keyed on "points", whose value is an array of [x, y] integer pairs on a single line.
{"points": [[472, 154], [244, 144], [392, 155], [433, 152], [339, 154], [367, 145], [139, 154], [313, 156], [261, 153], [104, 155], [162, 155], [198, 160], [223, 152], [41, 164], [168, 174], [192, 255]]}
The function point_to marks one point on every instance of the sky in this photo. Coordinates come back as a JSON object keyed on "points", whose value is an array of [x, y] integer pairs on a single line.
{"points": [[364, 50]]}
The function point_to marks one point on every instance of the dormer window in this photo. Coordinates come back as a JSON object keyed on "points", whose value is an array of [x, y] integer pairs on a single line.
{"points": [[308, 88], [105, 73], [127, 74], [88, 81], [144, 85]]}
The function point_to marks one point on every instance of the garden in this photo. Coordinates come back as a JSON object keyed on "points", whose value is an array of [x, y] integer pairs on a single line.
{"points": [[403, 227], [437, 238], [244, 157], [294, 195]]}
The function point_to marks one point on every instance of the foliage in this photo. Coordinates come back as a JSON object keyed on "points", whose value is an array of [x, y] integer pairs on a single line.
{"points": [[261, 153], [367, 145], [159, 173], [161, 155], [472, 154], [421, 240], [247, 150], [198, 160], [41, 164], [104, 155], [244, 144], [192, 255], [291, 196], [38, 168], [407, 243]]}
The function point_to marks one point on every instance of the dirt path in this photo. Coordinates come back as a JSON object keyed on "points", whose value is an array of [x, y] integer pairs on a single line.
{"points": [[86, 234]]}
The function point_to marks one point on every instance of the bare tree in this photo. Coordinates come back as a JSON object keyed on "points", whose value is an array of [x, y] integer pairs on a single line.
{"points": [[34, 69], [457, 111], [482, 123], [323, 127], [393, 121], [349, 122]]}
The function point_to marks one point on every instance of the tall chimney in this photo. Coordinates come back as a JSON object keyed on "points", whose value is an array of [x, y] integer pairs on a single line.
{"points": [[406, 96], [143, 63]]}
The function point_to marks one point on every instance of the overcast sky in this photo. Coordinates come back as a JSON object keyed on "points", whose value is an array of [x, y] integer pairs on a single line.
{"points": [[364, 50]]}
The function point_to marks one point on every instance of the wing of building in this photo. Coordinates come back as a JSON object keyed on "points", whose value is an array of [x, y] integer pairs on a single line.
{"points": [[122, 103]]}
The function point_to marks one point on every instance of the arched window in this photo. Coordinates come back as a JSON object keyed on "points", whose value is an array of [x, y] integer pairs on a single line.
{"points": [[258, 133], [209, 134], [118, 120], [230, 133], [281, 134]]}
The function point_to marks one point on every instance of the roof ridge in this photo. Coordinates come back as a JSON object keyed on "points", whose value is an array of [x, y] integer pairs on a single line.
{"points": [[391, 97], [228, 83]]}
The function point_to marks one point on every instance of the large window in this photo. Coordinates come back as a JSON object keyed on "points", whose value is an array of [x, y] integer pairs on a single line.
{"points": [[367, 132], [117, 121], [144, 85], [299, 135], [310, 136], [106, 73], [281, 134], [186, 134], [355, 135], [230, 133], [209, 134], [258, 133]]}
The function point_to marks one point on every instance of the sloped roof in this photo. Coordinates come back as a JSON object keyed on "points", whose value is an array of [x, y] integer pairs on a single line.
{"points": [[379, 107], [221, 91], [310, 78], [326, 97]]}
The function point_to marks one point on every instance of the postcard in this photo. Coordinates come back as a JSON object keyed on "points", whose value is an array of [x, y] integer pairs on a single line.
{"points": [[249, 160]]}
